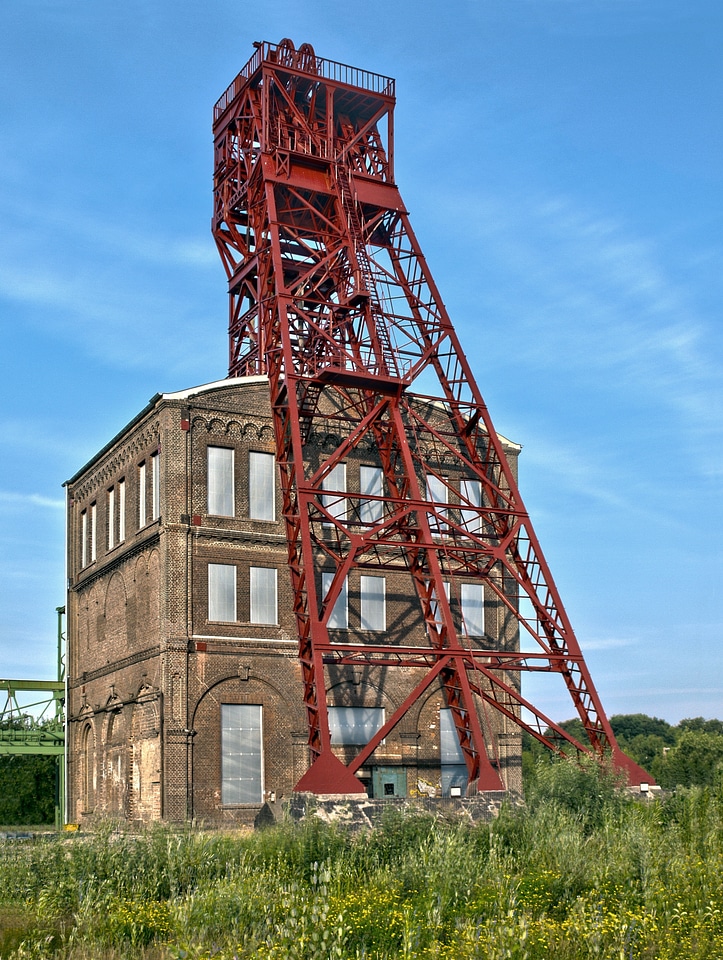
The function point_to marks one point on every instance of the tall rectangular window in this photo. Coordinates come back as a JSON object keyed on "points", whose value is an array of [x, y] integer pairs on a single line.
{"points": [[156, 485], [262, 492], [437, 493], [264, 608], [472, 601], [111, 518], [335, 504], [373, 603], [434, 605], [241, 753], [141, 495], [453, 767], [371, 484], [471, 491], [93, 531], [121, 511], [354, 726], [220, 485], [84, 539], [222, 592], [339, 616]]}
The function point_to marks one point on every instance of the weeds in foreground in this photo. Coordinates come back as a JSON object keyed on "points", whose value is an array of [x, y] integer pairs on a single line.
{"points": [[582, 873]]}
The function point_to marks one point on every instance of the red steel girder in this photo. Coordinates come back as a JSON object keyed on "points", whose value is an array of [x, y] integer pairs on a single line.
{"points": [[332, 300]]}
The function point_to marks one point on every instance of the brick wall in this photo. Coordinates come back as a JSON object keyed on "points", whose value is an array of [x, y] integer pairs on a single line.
{"points": [[148, 671]]}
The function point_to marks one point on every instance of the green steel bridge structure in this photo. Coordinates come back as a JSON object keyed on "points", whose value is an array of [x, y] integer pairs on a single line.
{"points": [[32, 719]]}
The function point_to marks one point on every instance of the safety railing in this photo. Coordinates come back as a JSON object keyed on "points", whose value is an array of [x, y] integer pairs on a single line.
{"points": [[304, 61]]}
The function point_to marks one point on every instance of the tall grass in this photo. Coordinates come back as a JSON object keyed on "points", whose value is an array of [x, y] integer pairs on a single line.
{"points": [[582, 872]]}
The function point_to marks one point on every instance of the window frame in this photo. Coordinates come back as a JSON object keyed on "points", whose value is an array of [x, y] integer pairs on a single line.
{"points": [[215, 600], [336, 506], [253, 592], [93, 532], [266, 497], [256, 752], [369, 605], [471, 519], [121, 510], [110, 501], [366, 729], [466, 613], [155, 485], [437, 521], [340, 610], [142, 503], [220, 481], [371, 511]]}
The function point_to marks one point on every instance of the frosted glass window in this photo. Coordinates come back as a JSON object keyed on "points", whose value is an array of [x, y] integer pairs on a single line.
{"points": [[472, 599], [222, 592], [220, 481], [373, 603], [263, 595], [453, 767], [336, 480], [142, 495], [84, 539], [339, 617], [434, 606], [111, 518], [262, 493], [371, 484], [156, 485], [354, 726], [471, 490], [437, 493], [121, 511], [241, 753], [93, 531]]}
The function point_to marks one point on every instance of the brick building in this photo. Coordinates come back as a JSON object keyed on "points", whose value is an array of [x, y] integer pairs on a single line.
{"points": [[185, 695]]}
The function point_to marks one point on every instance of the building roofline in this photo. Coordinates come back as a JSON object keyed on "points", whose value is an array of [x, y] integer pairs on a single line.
{"points": [[193, 392], [152, 403]]}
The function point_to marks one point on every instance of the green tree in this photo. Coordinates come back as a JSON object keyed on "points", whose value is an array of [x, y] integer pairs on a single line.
{"points": [[27, 790], [695, 760], [628, 726], [699, 723]]}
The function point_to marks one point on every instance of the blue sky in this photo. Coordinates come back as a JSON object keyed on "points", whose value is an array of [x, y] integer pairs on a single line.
{"points": [[561, 161]]}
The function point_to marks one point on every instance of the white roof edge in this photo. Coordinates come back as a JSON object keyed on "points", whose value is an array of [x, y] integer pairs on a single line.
{"points": [[216, 385], [242, 381], [509, 443]]}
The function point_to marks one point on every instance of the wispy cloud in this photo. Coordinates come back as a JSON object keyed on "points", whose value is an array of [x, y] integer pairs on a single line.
{"points": [[32, 500], [589, 300]]}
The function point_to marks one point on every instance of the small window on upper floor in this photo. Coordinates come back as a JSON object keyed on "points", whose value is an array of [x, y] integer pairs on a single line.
{"points": [[155, 485], [141, 495], [121, 510], [111, 518], [84, 539], [371, 484], [93, 532], [335, 503], [471, 597], [437, 492], [222, 592], [220, 484], [471, 492], [373, 603], [264, 603], [339, 617], [262, 486]]}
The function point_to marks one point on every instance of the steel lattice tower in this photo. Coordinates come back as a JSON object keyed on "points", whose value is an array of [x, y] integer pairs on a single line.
{"points": [[331, 298]]}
